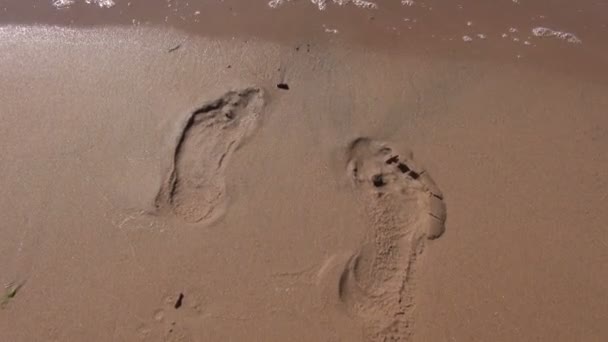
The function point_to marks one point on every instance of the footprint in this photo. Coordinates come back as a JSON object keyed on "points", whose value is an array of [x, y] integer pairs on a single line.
{"points": [[195, 189], [405, 208]]}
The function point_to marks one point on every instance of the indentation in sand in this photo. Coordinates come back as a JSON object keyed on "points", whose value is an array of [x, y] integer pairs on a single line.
{"points": [[195, 189], [405, 208]]}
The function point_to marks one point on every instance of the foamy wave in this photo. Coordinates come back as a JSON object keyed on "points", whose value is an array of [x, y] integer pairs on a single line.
{"points": [[62, 3], [101, 3], [67, 3], [322, 4], [547, 32]]}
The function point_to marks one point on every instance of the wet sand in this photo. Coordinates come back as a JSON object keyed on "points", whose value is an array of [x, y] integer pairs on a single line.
{"points": [[159, 185], [434, 29]]}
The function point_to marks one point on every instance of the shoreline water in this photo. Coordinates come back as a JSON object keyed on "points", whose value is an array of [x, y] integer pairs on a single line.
{"points": [[502, 32]]}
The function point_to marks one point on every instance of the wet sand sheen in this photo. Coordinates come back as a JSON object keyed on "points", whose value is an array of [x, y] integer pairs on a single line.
{"points": [[186, 197], [424, 27]]}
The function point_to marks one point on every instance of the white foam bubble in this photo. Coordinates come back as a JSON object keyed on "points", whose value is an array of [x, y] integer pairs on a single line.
{"points": [[102, 3], [330, 30], [322, 4], [407, 2], [59, 4], [62, 3], [275, 3], [467, 38], [547, 32]]}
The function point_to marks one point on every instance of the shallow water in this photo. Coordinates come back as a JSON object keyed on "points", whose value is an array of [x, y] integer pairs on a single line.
{"points": [[563, 36]]}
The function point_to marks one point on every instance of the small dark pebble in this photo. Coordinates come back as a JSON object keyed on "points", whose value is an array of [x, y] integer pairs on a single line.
{"points": [[178, 303], [403, 168], [392, 160], [283, 86], [378, 181]]}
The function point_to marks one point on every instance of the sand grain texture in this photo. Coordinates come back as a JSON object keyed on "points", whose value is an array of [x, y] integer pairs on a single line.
{"points": [[161, 194]]}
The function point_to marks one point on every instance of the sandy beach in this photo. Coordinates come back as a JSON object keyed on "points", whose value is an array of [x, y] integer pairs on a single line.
{"points": [[303, 171]]}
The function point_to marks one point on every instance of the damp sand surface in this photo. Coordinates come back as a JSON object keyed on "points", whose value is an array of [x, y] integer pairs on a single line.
{"points": [[173, 183]]}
